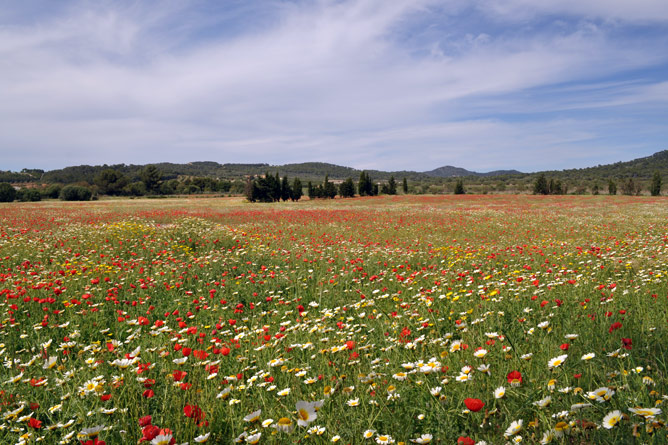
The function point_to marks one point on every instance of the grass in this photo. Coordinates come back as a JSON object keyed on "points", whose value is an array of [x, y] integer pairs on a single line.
{"points": [[377, 308]]}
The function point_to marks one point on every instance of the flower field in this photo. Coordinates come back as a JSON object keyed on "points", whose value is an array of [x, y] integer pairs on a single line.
{"points": [[449, 319]]}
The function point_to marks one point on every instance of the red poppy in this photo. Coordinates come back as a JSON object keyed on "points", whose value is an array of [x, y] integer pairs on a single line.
{"points": [[626, 342], [514, 378], [465, 441], [144, 421], [474, 405]]}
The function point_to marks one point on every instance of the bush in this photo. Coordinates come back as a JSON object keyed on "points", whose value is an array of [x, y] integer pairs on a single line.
{"points": [[29, 195], [7, 192], [52, 191], [75, 193]]}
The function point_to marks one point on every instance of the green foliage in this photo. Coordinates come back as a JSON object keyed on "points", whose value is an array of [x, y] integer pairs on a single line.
{"points": [[347, 188], [75, 193], [655, 189], [286, 190], [7, 192], [540, 186], [151, 178], [29, 195], [630, 188], [365, 187], [111, 182], [459, 187], [297, 190], [404, 186], [612, 187]]}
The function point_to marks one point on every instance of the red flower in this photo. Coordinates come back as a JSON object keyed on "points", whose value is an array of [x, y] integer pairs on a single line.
{"points": [[149, 432], [474, 405], [350, 344], [148, 393], [514, 378], [564, 346], [144, 421], [615, 325], [626, 342], [34, 423], [179, 375], [465, 441]]}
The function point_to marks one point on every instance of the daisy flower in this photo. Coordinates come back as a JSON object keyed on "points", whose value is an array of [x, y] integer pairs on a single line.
{"points": [[305, 413], [611, 419], [499, 392], [368, 434], [425, 438], [557, 361], [649, 413], [588, 356], [514, 428], [353, 402], [384, 439]]}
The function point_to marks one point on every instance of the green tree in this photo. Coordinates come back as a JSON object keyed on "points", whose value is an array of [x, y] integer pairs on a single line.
{"points": [[297, 191], [286, 191], [310, 190], [392, 186], [111, 182], [655, 188], [7, 192], [151, 177], [629, 187], [595, 190], [612, 187], [75, 193], [366, 186], [405, 186], [347, 188], [328, 188], [459, 187], [540, 186]]}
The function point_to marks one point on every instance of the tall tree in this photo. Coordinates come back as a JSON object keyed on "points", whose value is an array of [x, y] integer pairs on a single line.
{"points": [[347, 188], [111, 181], [612, 187], [540, 186], [655, 188], [328, 188], [392, 186], [286, 191], [405, 186], [459, 187], [151, 176], [297, 191]]}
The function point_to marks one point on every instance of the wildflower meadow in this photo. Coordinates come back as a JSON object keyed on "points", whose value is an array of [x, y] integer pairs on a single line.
{"points": [[406, 319]]}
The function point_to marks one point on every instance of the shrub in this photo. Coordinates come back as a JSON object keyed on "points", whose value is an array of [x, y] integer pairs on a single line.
{"points": [[7, 192], [75, 193]]}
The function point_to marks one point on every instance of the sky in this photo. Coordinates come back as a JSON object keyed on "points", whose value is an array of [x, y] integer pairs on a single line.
{"points": [[372, 84]]}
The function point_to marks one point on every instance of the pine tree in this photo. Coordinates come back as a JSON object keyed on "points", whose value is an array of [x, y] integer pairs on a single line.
{"points": [[286, 191], [297, 191], [328, 189], [540, 186], [612, 187], [655, 189], [392, 186], [347, 188], [459, 187]]}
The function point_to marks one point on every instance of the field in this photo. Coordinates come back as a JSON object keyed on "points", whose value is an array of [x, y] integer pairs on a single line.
{"points": [[442, 319]]}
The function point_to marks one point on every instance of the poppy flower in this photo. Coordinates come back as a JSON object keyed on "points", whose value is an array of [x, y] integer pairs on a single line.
{"points": [[474, 405], [514, 378]]}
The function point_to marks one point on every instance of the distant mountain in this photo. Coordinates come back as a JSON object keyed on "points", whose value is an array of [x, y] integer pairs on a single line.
{"points": [[641, 168], [449, 171]]}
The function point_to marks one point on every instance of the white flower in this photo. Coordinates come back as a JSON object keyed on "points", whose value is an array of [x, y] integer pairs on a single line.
{"points": [[611, 419], [557, 361], [500, 392], [514, 428]]}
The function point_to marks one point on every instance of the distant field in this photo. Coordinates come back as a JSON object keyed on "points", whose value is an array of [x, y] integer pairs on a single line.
{"points": [[450, 319]]}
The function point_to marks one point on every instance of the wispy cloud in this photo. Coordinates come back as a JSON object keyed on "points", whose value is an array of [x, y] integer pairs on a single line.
{"points": [[405, 84]]}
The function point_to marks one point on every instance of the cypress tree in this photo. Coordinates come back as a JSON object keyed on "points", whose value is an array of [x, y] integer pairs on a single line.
{"points": [[655, 189]]}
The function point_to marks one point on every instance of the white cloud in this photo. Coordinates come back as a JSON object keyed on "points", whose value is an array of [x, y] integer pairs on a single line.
{"points": [[332, 81]]}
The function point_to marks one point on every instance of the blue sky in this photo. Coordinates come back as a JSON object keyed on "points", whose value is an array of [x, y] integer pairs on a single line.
{"points": [[385, 84]]}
